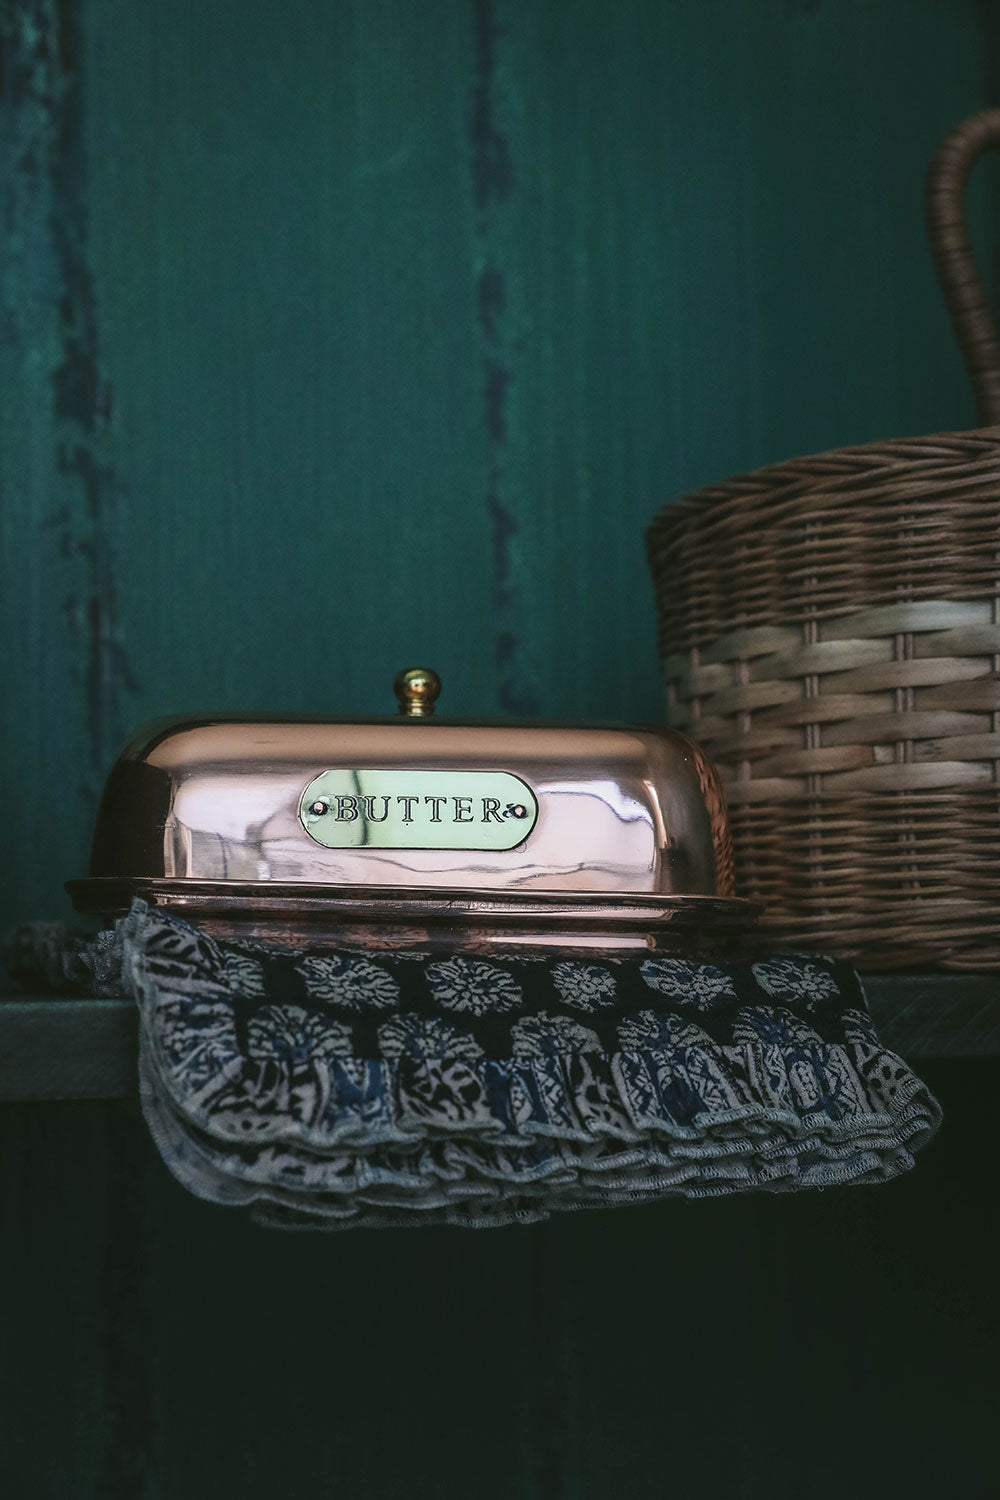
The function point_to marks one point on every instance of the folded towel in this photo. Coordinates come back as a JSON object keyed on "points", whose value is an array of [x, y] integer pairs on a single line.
{"points": [[331, 1087]]}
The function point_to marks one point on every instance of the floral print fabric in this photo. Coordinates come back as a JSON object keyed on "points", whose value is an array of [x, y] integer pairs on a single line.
{"points": [[331, 1088]]}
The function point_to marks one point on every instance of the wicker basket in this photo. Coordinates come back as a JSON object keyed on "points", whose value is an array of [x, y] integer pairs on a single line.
{"points": [[830, 633]]}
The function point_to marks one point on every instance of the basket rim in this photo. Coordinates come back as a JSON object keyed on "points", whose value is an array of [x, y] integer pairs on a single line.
{"points": [[833, 469]]}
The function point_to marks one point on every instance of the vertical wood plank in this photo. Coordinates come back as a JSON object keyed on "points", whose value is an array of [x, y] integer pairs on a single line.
{"points": [[713, 257], [66, 671], [287, 290], [374, 1364], [516, 571], [77, 1388]]}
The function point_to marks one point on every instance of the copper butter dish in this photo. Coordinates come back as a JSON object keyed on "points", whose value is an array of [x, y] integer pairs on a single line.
{"points": [[416, 828]]}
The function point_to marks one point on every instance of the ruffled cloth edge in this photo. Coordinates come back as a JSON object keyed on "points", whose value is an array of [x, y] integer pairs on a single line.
{"points": [[365, 1141]]}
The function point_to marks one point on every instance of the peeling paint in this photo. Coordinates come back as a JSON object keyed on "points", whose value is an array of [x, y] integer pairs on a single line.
{"points": [[492, 300], [493, 185], [42, 102], [492, 173], [83, 402], [498, 378]]}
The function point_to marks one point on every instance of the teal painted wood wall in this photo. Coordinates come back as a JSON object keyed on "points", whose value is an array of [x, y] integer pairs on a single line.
{"points": [[338, 334]]}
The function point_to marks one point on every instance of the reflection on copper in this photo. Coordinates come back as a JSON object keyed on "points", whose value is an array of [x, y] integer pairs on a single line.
{"points": [[304, 915], [631, 826]]}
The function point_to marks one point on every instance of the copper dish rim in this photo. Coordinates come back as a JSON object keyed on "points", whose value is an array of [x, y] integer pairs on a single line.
{"points": [[109, 895]]}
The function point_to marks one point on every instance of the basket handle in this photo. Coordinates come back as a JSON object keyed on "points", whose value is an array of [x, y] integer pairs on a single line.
{"points": [[960, 281]]}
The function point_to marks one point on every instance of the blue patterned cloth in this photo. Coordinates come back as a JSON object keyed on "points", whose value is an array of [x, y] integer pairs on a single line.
{"points": [[330, 1088]]}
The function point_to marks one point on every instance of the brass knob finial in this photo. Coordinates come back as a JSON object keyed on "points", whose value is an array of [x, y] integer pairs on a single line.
{"points": [[417, 689]]}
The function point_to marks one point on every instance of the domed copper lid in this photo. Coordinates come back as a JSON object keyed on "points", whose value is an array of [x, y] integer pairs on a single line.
{"points": [[414, 819]]}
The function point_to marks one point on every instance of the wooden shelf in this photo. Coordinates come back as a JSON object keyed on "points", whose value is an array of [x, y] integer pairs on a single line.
{"points": [[67, 1049], [937, 1015], [85, 1049]]}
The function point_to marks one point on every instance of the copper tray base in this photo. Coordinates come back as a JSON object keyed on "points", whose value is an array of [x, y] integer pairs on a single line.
{"points": [[299, 915]]}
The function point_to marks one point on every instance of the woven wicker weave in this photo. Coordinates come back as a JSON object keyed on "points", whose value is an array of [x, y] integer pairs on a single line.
{"points": [[830, 633]]}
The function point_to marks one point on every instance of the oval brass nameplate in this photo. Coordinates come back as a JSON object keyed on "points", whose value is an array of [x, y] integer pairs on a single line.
{"points": [[418, 809]]}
